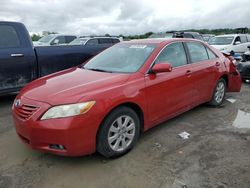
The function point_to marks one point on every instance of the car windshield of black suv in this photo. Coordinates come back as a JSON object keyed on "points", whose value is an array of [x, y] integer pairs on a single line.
{"points": [[220, 40], [122, 58]]}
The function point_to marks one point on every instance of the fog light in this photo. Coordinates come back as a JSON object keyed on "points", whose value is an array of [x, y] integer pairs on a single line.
{"points": [[57, 146]]}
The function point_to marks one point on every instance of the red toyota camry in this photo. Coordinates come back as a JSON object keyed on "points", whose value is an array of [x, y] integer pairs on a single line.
{"points": [[105, 104]]}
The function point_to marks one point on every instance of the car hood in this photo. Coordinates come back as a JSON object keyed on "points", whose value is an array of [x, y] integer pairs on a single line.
{"points": [[220, 47], [71, 85]]}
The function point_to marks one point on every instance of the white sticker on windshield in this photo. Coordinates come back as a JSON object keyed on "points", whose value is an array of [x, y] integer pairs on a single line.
{"points": [[138, 46]]}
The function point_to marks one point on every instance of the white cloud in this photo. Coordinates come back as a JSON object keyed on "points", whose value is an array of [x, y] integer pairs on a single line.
{"points": [[125, 16]]}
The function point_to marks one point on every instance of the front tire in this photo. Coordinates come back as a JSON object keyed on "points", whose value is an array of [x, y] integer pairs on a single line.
{"points": [[118, 133], [219, 93]]}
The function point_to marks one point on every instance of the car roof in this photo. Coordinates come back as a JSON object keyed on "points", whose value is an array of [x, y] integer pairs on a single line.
{"points": [[160, 40]]}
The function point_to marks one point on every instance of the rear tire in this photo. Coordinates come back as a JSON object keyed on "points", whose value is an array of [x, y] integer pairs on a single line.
{"points": [[219, 93], [118, 133]]}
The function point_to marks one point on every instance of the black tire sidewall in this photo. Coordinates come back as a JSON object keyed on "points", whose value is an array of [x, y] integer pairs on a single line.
{"points": [[102, 138]]}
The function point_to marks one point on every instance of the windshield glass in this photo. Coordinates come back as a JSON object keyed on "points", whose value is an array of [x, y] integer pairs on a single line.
{"points": [[123, 58], [220, 40], [78, 41], [46, 38]]}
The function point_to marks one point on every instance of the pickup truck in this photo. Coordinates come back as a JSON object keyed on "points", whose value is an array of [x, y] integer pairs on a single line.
{"points": [[21, 62]]}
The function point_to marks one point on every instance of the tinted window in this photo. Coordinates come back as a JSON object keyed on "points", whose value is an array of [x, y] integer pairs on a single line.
{"points": [[187, 35], [8, 37], [70, 38], [61, 40], [174, 54], [115, 40], [92, 42], [248, 38], [243, 39], [211, 55], [197, 51], [105, 41]]}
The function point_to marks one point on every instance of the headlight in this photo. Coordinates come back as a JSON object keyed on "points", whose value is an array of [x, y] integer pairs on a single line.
{"points": [[68, 110]]}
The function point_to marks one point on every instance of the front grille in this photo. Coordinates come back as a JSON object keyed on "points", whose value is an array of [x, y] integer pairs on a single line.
{"points": [[25, 111]]}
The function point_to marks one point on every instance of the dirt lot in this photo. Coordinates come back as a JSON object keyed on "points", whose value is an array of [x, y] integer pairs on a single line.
{"points": [[217, 154]]}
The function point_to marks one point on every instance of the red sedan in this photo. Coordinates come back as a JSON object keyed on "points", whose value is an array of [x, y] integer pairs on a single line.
{"points": [[107, 103]]}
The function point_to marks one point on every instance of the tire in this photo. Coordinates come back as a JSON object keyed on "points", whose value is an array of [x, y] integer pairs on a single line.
{"points": [[118, 133], [219, 93]]}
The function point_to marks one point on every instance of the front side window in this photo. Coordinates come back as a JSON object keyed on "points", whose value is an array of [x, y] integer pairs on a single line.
{"points": [[8, 37], [243, 39], [197, 52], [173, 54], [122, 58]]}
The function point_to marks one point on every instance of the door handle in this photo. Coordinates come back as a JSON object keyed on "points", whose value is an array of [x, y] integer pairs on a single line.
{"points": [[217, 64], [188, 72], [17, 55]]}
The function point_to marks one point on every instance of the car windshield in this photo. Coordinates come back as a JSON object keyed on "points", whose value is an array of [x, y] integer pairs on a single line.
{"points": [[78, 41], [220, 40], [123, 58], [46, 38]]}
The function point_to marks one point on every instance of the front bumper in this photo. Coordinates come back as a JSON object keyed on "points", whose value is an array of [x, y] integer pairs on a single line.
{"points": [[77, 134]]}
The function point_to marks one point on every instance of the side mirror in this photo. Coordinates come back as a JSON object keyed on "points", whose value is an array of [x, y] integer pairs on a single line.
{"points": [[55, 42], [161, 67], [248, 47], [237, 42]]}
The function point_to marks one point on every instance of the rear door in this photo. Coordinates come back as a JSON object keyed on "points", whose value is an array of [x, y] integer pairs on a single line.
{"points": [[170, 93], [17, 58], [205, 66]]}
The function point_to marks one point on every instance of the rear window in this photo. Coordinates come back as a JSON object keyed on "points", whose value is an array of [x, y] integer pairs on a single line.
{"points": [[197, 52], [8, 37]]}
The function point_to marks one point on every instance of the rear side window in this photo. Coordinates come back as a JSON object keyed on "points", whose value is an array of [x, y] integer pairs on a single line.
{"points": [[70, 38], [211, 55], [243, 39], [105, 41], [174, 54], [8, 37], [115, 41], [248, 38], [197, 52], [92, 42]]}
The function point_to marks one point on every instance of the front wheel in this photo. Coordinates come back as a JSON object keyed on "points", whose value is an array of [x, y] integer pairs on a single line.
{"points": [[219, 93], [118, 133]]}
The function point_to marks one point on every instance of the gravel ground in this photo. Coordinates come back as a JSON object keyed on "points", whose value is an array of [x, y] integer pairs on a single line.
{"points": [[217, 154]]}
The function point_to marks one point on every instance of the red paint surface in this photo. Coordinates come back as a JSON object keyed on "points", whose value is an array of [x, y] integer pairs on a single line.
{"points": [[159, 96]]}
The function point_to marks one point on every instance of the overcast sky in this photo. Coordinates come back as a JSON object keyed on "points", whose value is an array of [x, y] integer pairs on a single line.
{"points": [[116, 17]]}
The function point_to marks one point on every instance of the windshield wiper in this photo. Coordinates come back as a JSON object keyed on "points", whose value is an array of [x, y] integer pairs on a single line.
{"points": [[99, 70]]}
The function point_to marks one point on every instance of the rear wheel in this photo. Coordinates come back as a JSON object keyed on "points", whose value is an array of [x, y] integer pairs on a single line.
{"points": [[118, 133], [219, 93]]}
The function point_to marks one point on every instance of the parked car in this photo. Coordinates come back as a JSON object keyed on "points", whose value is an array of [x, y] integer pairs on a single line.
{"points": [[95, 40], [129, 88], [54, 39], [206, 37], [21, 63], [244, 66], [177, 34], [232, 42]]}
